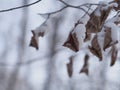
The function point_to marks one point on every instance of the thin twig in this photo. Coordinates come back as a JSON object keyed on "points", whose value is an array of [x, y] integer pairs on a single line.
{"points": [[86, 4], [77, 7], [11, 9], [70, 6], [85, 13], [28, 62], [54, 12]]}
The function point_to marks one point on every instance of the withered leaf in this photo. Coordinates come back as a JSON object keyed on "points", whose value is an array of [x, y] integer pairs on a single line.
{"points": [[70, 67], [107, 39], [85, 66], [114, 53], [34, 39], [34, 43], [95, 48], [87, 37], [72, 42], [95, 22]]}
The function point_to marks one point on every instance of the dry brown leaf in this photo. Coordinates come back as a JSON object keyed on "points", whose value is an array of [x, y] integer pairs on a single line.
{"points": [[95, 22], [70, 67], [72, 42], [107, 39], [87, 37], [34, 43], [95, 48], [85, 66], [114, 53], [34, 39]]}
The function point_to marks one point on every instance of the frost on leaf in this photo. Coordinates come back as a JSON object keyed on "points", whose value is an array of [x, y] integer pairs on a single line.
{"points": [[72, 42], [95, 48], [107, 39], [114, 53], [85, 66], [70, 66]]}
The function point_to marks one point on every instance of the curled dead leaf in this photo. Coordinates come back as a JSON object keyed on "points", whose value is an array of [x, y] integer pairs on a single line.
{"points": [[114, 53], [85, 66], [70, 67], [87, 37], [34, 41], [107, 39], [95, 48], [72, 42], [95, 22]]}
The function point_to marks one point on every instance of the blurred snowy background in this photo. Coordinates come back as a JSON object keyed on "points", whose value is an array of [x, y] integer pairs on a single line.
{"points": [[24, 68]]}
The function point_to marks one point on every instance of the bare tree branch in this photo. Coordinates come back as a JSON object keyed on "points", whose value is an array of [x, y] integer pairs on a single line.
{"points": [[27, 62], [54, 12], [14, 8], [86, 4], [69, 6]]}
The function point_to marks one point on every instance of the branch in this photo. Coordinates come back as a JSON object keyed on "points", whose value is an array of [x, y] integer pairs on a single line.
{"points": [[66, 5], [54, 12], [27, 62], [63, 8], [77, 7], [11, 9], [86, 4]]}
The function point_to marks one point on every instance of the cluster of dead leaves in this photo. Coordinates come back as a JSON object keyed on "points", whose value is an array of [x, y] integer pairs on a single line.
{"points": [[84, 68], [95, 25], [95, 22]]}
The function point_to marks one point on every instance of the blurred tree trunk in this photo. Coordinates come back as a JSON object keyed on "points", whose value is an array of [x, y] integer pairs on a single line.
{"points": [[52, 78], [53, 82], [21, 49], [3, 69], [98, 76], [102, 76]]}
